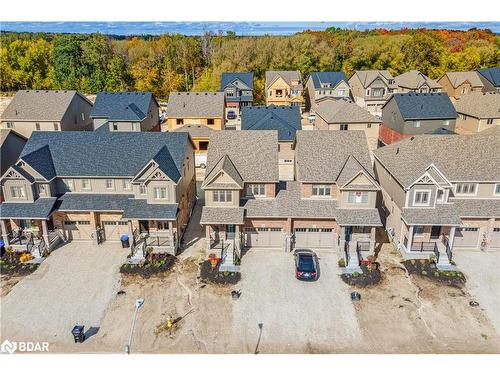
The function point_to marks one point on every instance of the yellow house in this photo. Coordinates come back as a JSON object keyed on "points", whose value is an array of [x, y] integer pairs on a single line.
{"points": [[284, 88]]}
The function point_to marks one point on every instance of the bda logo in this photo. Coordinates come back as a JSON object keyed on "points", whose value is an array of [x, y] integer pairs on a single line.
{"points": [[8, 347]]}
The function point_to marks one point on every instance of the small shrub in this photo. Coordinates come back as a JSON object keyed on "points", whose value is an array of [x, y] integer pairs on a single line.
{"points": [[341, 262], [432, 258], [436, 274], [355, 274], [424, 273], [413, 261], [422, 261]]}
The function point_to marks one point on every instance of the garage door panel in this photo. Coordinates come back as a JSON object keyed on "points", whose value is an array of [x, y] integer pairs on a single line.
{"points": [[495, 239], [466, 237], [263, 237], [114, 229], [314, 237], [78, 230]]}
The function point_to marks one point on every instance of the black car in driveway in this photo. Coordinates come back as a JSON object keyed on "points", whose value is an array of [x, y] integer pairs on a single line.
{"points": [[306, 265]]}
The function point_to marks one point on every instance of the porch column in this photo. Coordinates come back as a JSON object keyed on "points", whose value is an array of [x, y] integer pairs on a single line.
{"points": [[372, 239], [410, 238], [45, 233], [491, 225], [131, 230], [451, 237], [93, 224], [5, 235], [207, 231]]}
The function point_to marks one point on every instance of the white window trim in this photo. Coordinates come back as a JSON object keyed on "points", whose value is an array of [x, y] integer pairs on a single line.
{"points": [[125, 186], [112, 184], [22, 190], [250, 190], [466, 194], [415, 234], [321, 186], [69, 184], [362, 194], [160, 189], [140, 189], [90, 184], [429, 192], [495, 190]]}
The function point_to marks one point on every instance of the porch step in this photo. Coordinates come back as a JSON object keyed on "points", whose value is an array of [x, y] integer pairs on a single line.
{"points": [[443, 256], [353, 262]]}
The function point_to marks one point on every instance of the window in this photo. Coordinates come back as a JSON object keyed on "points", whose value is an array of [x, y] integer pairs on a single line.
{"points": [[115, 126], [440, 195], [86, 184], [256, 190], [279, 93], [344, 126], [357, 197], [378, 92], [37, 125], [497, 189], [83, 116], [203, 145], [341, 92], [418, 230], [465, 189], [160, 192], [17, 192], [446, 122], [321, 190], [222, 196], [416, 124], [368, 126], [10, 125], [210, 121], [110, 184], [136, 127], [179, 121], [42, 189], [126, 185], [69, 184], [489, 121], [421, 198], [142, 189], [56, 126], [464, 117]]}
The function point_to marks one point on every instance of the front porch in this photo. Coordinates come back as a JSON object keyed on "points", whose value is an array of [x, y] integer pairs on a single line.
{"points": [[357, 243], [158, 235], [423, 241]]}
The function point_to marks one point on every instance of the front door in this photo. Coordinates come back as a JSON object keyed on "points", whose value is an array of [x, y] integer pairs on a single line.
{"points": [[348, 233], [230, 231], [435, 232]]}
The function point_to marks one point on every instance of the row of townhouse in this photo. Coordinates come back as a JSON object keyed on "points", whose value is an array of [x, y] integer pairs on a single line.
{"points": [[438, 193]]}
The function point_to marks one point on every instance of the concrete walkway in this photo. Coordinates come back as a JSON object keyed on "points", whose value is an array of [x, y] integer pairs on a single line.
{"points": [[74, 285]]}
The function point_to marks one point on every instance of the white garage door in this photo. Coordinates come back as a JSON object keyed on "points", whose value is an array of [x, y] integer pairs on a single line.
{"points": [[466, 237], [78, 230], [263, 237], [495, 239], [314, 237], [114, 229]]}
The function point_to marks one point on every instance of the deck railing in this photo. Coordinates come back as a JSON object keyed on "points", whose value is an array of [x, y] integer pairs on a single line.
{"points": [[424, 246]]}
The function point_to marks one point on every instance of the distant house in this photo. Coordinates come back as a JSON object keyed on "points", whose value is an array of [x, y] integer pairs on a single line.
{"points": [[286, 120], [238, 89], [326, 85], [414, 81], [371, 89], [477, 112], [48, 110], [200, 135], [284, 88], [195, 108], [11, 145], [410, 114], [461, 83], [490, 78], [344, 115], [126, 111]]}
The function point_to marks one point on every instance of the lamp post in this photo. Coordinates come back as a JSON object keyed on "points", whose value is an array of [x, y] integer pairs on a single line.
{"points": [[138, 303]]}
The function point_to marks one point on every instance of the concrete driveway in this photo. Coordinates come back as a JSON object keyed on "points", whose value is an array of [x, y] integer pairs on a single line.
{"points": [[483, 279], [74, 285], [296, 316]]}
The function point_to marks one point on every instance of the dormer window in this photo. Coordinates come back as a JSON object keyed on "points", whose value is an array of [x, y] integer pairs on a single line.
{"points": [[321, 190], [466, 189], [18, 192], [357, 197], [341, 92], [160, 192], [256, 190], [142, 189], [421, 198], [222, 196]]}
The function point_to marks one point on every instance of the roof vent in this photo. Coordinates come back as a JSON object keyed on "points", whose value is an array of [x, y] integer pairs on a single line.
{"points": [[412, 138], [397, 151]]}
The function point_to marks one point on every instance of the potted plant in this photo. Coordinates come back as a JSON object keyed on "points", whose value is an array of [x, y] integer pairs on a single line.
{"points": [[214, 260]]}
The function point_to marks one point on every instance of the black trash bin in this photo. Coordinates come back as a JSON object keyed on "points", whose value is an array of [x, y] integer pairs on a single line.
{"points": [[125, 241], [78, 333], [2, 248]]}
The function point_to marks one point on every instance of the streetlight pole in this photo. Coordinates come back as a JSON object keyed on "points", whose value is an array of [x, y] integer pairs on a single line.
{"points": [[138, 303]]}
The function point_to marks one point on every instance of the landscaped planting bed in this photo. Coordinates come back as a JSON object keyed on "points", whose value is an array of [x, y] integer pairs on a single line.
{"points": [[15, 264], [154, 265], [208, 274], [371, 275], [427, 268]]}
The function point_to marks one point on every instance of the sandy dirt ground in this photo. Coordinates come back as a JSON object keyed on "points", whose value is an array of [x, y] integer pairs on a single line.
{"points": [[7, 282]]}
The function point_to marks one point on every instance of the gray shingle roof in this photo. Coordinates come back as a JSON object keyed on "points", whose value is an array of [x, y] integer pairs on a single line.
{"points": [[195, 104], [229, 77], [414, 80], [92, 202], [222, 215], [224, 165], [122, 106], [321, 154], [332, 78], [139, 209], [40, 105], [419, 106], [287, 75], [343, 111], [479, 105], [195, 131], [491, 74], [457, 78], [40, 209], [104, 153], [285, 119], [254, 154], [458, 157], [289, 204], [368, 76], [351, 169]]}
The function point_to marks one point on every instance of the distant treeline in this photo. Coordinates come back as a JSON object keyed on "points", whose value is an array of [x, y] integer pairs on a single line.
{"points": [[161, 64]]}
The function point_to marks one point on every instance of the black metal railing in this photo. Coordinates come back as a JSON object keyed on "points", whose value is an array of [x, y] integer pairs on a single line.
{"points": [[363, 245], [446, 242], [346, 252], [157, 241], [424, 246]]}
